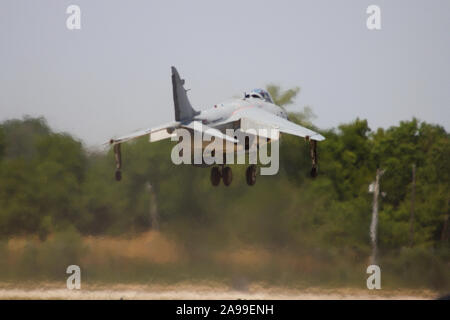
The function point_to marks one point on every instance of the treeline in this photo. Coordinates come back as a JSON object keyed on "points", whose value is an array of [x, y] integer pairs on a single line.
{"points": [[49, 182]]}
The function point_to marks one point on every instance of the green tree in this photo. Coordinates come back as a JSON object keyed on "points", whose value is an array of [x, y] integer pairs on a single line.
{"points": [[40, 178]]}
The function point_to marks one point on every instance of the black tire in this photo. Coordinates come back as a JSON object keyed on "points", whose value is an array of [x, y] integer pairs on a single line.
{"points": [[215, 176], [250, 175], [118, 175], [227, 176]]}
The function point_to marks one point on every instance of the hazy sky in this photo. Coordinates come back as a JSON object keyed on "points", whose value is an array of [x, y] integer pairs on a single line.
{"points": [[113, 76]]}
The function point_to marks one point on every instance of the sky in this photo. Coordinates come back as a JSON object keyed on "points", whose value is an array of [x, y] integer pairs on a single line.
{"points": [[112, 76]]}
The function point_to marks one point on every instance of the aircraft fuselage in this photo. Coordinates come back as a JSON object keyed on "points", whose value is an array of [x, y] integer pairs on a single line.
{"points": [[223, 111]]}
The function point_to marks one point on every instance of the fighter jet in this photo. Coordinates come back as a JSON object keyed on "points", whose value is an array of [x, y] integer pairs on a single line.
{"points": [[255, 110]]}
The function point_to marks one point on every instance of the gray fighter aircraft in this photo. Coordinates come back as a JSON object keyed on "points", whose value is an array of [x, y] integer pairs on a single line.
{"points": [[255, 110]]}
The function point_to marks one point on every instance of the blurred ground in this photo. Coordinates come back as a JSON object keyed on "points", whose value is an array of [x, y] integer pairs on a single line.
{"points": [[200, 291]]}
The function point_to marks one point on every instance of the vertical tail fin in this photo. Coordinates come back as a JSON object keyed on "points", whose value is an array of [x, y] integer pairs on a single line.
{"points": [[183, 108]]}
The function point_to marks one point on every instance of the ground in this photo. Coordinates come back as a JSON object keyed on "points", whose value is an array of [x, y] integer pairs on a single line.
{"points": [[197, 291]]}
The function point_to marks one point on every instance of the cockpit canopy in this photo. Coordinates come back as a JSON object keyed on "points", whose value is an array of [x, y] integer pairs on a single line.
{"points": [[260, 94]]}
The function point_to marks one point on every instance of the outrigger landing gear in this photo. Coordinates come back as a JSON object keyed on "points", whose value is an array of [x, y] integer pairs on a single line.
{"points": [[250, 174], [118, 157], [221, 172], [313, 154]]}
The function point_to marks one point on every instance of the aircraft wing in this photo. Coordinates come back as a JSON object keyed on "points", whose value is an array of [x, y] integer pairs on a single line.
{"points": [[254, 118], [155, 134], [162, 132]]}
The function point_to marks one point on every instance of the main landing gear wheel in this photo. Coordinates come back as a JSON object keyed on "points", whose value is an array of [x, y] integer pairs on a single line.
{"points": [[118, 175], [250, 175], [227, 176], [215, 176]]}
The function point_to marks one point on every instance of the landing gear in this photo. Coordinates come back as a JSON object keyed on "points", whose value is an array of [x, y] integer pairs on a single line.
{"points": [[223, 173], [227, 176], [215, 176], [118, 157], [313, 172], [250, 175], [313, 154]]}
